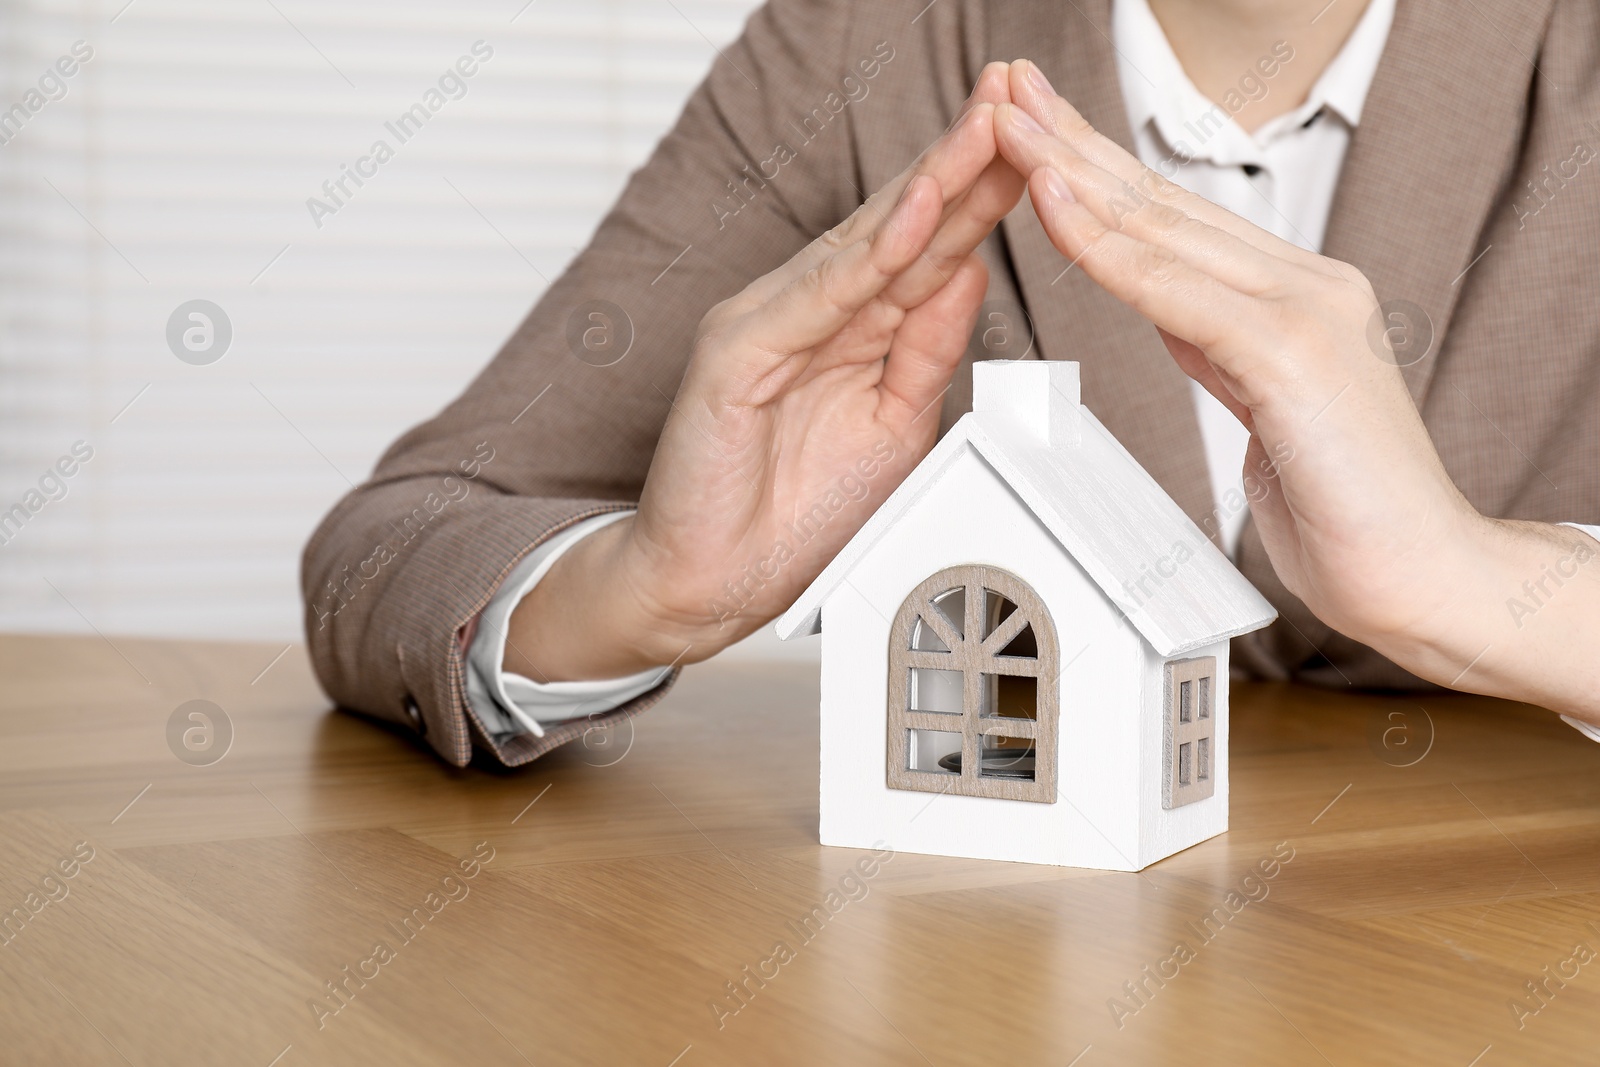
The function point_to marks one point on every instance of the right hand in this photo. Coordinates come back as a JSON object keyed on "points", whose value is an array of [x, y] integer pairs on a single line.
{"points": [[1358, 514], [814, 392]]}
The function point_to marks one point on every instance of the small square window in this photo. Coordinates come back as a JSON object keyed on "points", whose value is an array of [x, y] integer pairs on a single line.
{"points": [[936, 690], [1009, 696], [926, 748], [1007, 757]]}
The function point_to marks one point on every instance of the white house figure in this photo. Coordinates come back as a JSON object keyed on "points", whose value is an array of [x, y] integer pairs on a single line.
{"points": [[1025, 650]]}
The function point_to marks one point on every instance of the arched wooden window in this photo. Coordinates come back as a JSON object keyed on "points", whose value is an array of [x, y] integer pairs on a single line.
{"points": [[973, 672]]}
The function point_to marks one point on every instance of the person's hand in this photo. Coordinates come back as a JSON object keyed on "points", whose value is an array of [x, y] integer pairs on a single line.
{"points": [[1360, 520], [809, 397]]}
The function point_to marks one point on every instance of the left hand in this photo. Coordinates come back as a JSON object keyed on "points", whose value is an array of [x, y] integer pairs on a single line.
{"points": [[807, 399], [1361, 520]]}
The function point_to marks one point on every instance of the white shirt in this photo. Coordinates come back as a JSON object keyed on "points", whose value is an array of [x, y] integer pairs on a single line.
{"points": [[1281, 178]]}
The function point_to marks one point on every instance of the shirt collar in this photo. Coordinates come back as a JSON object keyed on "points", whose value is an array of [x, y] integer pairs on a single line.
{"points": [[1155, 88], [1345, 84]]}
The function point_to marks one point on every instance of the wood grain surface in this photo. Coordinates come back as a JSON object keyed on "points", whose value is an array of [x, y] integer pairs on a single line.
{"points": [[1397, 873]]}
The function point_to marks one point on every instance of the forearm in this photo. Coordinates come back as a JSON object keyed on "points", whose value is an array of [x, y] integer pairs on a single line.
{"points": [[1522, 621], [588, 618]]}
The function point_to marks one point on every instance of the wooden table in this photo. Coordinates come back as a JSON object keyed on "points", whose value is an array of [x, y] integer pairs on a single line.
{"points": [[632, 881]]}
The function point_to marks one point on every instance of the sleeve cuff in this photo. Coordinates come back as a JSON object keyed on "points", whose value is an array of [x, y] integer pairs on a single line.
{"points": [[511, 704], [1591, 732]]}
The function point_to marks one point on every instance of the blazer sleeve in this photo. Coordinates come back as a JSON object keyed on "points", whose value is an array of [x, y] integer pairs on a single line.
{"points": [[562, 424]]}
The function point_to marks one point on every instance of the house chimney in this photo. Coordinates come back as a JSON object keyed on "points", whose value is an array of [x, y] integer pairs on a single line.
{"points": [[1038, 396]]}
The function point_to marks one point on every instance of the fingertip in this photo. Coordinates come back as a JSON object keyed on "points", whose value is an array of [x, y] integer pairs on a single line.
{"points": [[1007, 137], [1016, 125], [972, 138], [917, 188], [1032, 91], [1063, 218], [911, 215], [996, 70], [1017, 81], [904, 207], [994, 83], [980, 113], [1049, 183], [1028, 80], [992, 87]]}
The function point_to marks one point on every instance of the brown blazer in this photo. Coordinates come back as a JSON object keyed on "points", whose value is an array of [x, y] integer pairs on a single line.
{"points": [[1461, 194]]}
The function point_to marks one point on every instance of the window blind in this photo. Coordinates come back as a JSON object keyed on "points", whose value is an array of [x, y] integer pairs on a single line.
{"points": [[177, 164]]}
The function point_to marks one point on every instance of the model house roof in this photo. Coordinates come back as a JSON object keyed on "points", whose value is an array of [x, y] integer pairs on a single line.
{"points": [[1175, 587]]}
